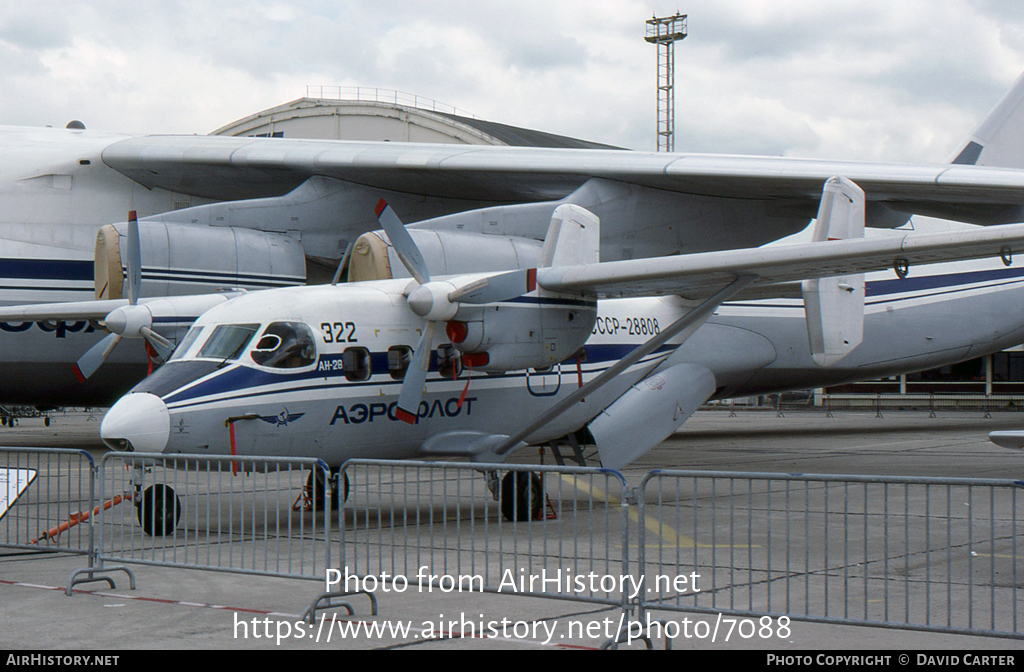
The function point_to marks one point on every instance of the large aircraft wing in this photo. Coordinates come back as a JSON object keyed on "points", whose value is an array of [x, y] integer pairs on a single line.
{"points": [[73, 310], [236, 168], [699, 275]]}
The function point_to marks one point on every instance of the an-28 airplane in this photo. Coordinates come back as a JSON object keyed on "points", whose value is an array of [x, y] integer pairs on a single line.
{"points": [[257, 213], [480, 365]]}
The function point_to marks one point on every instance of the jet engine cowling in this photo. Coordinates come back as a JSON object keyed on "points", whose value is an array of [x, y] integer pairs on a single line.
{"points": [[182, 259], [444, 252]]}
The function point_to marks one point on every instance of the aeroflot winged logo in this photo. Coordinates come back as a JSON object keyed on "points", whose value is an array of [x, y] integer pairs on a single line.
{"points": [[281, 419]]}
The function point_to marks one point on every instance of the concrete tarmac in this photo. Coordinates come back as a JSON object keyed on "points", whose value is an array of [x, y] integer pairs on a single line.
{"points": [[181, 609]]}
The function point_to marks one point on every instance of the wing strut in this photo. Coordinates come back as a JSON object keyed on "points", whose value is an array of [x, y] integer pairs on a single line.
{"points": [[695, 317]]}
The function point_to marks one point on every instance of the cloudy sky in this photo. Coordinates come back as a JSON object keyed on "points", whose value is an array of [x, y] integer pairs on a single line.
{"points": [[844, 79]]}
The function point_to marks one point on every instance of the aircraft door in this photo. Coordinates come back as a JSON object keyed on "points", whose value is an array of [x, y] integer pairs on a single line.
{"points": [[544, 382]]}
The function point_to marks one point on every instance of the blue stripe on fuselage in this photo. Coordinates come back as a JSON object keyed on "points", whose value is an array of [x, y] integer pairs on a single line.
{"points": [[925, 282], [46, 269], [243, 377]]}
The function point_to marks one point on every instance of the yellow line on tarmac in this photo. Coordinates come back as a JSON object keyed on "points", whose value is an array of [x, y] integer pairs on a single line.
{"points": [[650, 523]]}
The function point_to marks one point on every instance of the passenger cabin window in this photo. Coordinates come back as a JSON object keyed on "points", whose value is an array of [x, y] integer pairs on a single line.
{"points": [[228, 341], [285, 345], [399, 357], [356, 363], [186, 343]]}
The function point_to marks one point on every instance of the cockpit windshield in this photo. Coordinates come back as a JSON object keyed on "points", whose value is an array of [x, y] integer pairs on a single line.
{"points": [[228, 341], [186, 342], [285, 345]]}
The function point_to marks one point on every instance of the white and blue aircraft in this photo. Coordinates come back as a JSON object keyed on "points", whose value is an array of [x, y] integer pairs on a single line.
{"points": [[259, 213], [456, 365], [478, 365]]}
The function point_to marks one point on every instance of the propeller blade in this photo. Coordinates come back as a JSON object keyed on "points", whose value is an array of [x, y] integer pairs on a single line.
{"points": [[134, 259], [161, 345], [501, 287], [415, 377], [94, 357], [402, 241]]}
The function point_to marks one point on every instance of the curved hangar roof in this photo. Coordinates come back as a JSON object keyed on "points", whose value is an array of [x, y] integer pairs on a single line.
{"points": [[382, 120]]}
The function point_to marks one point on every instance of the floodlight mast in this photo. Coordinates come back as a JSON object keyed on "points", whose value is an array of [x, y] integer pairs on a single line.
{"points": [[665, 32]]}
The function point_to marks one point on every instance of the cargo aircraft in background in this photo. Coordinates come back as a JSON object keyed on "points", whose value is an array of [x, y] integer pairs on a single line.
{"points": [[260, 213], [478, 365]]}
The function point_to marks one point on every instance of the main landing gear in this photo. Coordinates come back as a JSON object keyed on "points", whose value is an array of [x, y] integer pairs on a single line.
{"points": [[520, 494], [316, 496]]}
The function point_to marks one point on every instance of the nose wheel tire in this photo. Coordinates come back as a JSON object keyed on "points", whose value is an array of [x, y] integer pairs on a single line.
{"points": [[159, 510], [522, 496]]}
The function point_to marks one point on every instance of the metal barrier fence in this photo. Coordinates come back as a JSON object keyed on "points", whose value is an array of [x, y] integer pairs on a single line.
{"points": [[921, 553], [933, 402], [541, 531], [266, 516], [44, 490]]}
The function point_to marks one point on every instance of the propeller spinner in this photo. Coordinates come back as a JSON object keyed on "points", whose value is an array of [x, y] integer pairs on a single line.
{"points": [[438, 301]]}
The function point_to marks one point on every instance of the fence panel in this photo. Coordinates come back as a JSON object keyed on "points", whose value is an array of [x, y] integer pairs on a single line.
{"points": [[56, 501], [558, 532], [266, 516], [925, 553]]}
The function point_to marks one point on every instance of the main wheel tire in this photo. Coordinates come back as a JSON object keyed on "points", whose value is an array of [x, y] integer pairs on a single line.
{"points": [[159, 510], [522, 496], [318, 494]]}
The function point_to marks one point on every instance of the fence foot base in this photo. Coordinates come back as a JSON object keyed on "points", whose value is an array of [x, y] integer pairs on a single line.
{"points": [[326, 601], [92, 574], [625, 637]]}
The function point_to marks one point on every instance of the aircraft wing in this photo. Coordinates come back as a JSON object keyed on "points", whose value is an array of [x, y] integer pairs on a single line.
{"points": [[74, 310], [698, 275], [235, 168]]}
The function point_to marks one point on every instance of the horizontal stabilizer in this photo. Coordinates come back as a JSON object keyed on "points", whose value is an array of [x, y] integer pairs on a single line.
{"points": [[649, 412]]}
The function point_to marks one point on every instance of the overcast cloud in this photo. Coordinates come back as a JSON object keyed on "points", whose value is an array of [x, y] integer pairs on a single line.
{"points": [[844, 79]]}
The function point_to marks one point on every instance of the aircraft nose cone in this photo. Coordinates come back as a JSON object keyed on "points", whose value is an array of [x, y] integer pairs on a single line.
{"points": [[139, 422]]}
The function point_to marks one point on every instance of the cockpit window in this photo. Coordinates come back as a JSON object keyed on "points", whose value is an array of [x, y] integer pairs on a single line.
{"points": [[228, 341], [186, 342], [285, 345]]}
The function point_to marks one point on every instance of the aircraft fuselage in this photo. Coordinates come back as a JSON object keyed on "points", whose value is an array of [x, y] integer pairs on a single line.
{"points": [[342, 402]]}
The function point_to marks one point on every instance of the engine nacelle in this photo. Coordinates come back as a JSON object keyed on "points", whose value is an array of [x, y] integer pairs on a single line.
{"points": [[193, 259], [531, 332], [444, 252]]}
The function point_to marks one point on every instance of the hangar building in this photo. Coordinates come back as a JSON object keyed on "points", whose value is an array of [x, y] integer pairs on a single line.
{"points": [[359, 113]]}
